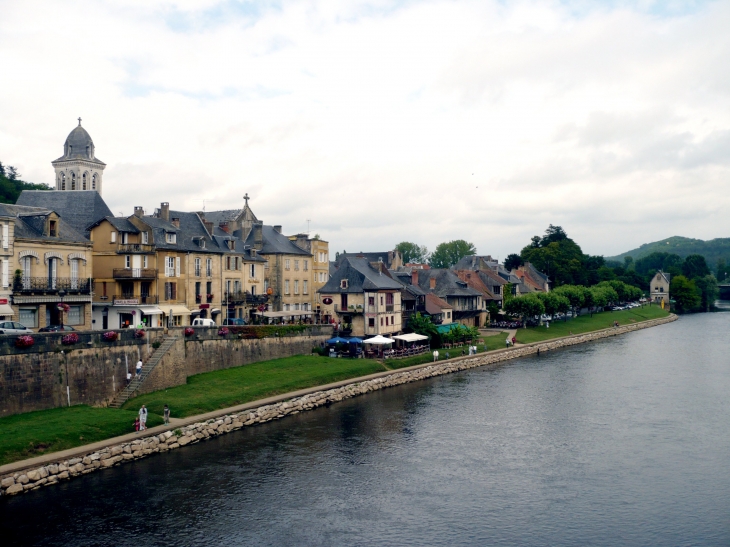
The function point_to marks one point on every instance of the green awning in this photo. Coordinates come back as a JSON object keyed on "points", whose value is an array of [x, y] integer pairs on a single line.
{"points": [[446, 328]]}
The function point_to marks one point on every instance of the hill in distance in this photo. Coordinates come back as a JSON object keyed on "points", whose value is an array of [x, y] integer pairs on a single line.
{"points": [[712, 250]]}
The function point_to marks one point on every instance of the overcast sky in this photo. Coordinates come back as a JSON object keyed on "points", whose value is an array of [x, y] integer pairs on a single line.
{"points": [[388, 121]]}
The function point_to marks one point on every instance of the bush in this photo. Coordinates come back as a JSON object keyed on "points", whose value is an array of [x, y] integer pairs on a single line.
{"points": [[110, 336], [70, 339], [156, 344]]}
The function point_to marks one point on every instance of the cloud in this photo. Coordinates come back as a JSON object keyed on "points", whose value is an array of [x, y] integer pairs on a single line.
{"points": [[369, 118]]}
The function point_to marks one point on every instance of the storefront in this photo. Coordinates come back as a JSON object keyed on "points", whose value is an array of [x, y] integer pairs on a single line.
{"points": [[124, 315], [180, 315]]}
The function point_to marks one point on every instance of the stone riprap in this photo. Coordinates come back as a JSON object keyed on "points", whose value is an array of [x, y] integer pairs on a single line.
{"points": [[32, 479]]}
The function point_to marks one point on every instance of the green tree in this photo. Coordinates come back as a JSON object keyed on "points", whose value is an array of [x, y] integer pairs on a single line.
{"points": [[421, 324], [412, 252], [628, 262], [723, 270], [685, 293], [553, 302], [709, 291], [588, 299], [695, 266], [524, 306], [512, 262], [11, 186], [448, 254], [574, 294]]}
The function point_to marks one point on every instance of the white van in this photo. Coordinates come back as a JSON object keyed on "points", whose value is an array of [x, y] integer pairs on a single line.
{"points": [[203, 322]]}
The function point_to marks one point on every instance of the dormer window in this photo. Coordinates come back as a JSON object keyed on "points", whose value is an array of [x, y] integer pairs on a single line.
{"points": [[343, 284], [171, 237], [145, 238], [52, 228]]}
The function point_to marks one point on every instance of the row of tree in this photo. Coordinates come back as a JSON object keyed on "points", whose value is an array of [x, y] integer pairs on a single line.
{"points": [[571, 298], [11, 185], [444, 256]]}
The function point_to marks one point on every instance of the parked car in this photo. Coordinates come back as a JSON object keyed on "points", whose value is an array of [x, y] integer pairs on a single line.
{"points": [[56, 328], [12, 327], [234, 321], [203, 322]]}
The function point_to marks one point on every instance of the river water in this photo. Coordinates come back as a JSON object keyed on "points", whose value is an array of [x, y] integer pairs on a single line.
{"points": [[624, 441]]}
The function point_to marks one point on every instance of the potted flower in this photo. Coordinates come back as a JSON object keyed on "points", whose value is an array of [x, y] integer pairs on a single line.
{"points": [[24, 341], [110, 336], [223, 331], [189, 331], [139, 333], [63, 307], [70, 339]]}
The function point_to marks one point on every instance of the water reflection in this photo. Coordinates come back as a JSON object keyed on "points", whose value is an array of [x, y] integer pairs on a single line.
{"points": [[623, 441]]}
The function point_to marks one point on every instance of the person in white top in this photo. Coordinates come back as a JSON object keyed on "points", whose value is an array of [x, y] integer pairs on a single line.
{"points": [[139, 367]]}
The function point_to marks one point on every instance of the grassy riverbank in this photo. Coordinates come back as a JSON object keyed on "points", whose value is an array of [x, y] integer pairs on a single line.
{"points": [[586, 323]]}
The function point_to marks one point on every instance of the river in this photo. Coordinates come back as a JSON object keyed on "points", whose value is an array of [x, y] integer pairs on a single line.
{"points": [[625, 441]]}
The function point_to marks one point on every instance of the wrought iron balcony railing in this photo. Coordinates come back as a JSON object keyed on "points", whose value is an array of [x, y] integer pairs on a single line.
{"points": [[28, 285], [135, 248], [245, 296], [135, 273]]}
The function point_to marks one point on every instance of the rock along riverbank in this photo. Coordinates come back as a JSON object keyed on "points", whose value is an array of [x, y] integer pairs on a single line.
{"points": [[196, 429]]}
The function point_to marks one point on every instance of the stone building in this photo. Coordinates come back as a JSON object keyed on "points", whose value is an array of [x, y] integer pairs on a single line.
{"points": [[319, 249], [659, 288], [79, 168]]}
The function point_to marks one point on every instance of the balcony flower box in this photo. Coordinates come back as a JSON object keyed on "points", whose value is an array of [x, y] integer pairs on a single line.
{"points": [[70, 339], [223, 331], [24, 341], [110, 336], [198, 298], [62, 306], [189, 331], [139, 334]]}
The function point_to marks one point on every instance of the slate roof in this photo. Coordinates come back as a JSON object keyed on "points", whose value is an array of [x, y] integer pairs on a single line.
{"points": [[447, 283], [30, 223], [361, 276], [79, 209], [221, 238], [475, 262], [274, 242], [216, 217], [190, 227], [370, 257], [122, 224], [473, 280], [491, 278], [79, 145]]}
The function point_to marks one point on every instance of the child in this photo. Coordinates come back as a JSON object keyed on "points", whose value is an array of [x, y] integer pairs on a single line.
{"points": [[136, 424], [166, 415]]}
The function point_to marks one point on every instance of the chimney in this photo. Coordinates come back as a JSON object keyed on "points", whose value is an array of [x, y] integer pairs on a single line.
{"points": [[258, 235], [176, 222], [139, 212], [432, 283], [277, 228], [208, 226], [232, 226], [165, 211], [223, 226], [414, 277]]}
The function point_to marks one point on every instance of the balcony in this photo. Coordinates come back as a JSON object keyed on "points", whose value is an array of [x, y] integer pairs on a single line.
{"points": [[44, 285], [128, 248], [389, 307], [354, 309], [240, 297], [134, 273]]}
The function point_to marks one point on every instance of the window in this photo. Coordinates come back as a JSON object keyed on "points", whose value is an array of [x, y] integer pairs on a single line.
{"points": [[177, 320], [145, 238], [371, 300], [448, 315], [371, 322], [343, 284], [93, 182], [392, 320], [209, 267], [386, 320], [296, 307], [305, 287], [381, 299], [253, 289], [6, 272], [286, 286], [114, 237], [197, 288], [6, 236], [52, 228], [296, 265], [286, 264], [29, 317], [170, 291], [235, 262], [197, 267], [253, 271], [124, 237], [83, 181], [228, 263], [74, 316], [296, 286], [103, 288], [209, 287], [381, 321], [171, 237], [73, 180], [266, 285], [63, 181], [145, 261], [389, 299], [306, 265], [127, 261]]}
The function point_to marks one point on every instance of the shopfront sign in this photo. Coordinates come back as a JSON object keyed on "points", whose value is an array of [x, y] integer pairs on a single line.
{"points": [[204, 306], [127, 302]]}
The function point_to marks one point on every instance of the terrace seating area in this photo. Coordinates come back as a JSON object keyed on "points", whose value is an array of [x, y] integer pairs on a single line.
{"points": [[397, 353]]}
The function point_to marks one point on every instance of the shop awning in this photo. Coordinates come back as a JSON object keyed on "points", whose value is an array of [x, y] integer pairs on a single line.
{"points": [[177, 309], [6, 309], [214, 310], [410, 337], [150, 310]]}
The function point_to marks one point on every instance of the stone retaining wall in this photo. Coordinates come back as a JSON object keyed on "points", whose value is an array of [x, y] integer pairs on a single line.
{"points": [[32, 479]]}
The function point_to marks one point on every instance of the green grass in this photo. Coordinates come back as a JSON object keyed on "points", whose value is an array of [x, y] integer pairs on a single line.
{"points": [[223, 388], [586, 323], [36, 433]]}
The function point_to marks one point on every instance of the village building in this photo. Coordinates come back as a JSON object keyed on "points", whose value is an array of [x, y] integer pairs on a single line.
{"points": [[659, 288]]}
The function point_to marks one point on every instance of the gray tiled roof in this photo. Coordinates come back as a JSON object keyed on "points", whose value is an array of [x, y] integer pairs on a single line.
{"points": [[275, 243], [122, 224], [371, 257], [216, 217], [447, 283], [30, 223], [360, 277], [79, 145], [79, 209]]}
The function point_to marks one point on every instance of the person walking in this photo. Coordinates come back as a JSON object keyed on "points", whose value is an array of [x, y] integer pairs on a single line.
{"points": [[166, 415], [514, 339], [139, 367], [129, 377], [143, 418], [136, 424]]}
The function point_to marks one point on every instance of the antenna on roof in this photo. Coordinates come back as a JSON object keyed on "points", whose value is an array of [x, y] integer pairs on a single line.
{"points": [[308, 221]]}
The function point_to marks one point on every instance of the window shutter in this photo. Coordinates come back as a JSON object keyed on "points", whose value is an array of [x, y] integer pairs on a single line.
{"points": [[5, 236], [114, 237], [167, 266], [5, 269], [177, 266]]}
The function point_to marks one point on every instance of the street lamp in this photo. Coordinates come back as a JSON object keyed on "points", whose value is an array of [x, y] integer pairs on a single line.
{"points": [[61, 294]]}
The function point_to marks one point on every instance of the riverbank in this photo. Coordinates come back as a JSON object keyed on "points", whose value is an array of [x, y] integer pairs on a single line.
{"points": [[32, 474]]}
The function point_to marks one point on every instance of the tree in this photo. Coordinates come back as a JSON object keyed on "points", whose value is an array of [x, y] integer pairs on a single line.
{"points": [[421, 324], [709, 291], [512, 262], [723, 270], [525, 306], [553, 302], [11, 186], [412, 252], [628, 262], [448, 254], [695, 266], [588, 299], [574, 294], [685, 293]]}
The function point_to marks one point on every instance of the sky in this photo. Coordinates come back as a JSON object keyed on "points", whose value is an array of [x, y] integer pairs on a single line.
{"points": [[375, 122]]}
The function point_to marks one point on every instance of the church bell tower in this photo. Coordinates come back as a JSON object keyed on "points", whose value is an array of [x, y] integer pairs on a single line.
{"points": [[78, 168]]}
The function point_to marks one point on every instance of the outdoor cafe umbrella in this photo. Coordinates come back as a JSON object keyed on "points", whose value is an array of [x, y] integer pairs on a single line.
{"points": [[355, 340], [378, 340], [337, 340]]}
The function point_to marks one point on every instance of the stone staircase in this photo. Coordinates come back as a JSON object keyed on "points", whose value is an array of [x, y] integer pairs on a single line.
{"points": [[122, 397]]}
